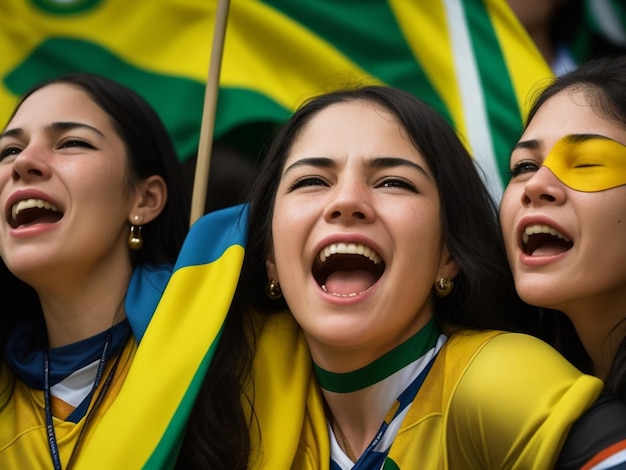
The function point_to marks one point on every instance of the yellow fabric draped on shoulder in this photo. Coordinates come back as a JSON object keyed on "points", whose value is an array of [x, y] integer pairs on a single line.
{"points": [[484, 388], [288, 406]]}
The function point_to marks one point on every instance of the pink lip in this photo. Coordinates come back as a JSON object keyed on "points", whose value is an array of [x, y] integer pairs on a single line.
{"points": [[537, 261]]}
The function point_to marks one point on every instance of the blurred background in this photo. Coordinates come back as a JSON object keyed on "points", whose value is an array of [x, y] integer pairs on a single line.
{"points": [[478, 62]]}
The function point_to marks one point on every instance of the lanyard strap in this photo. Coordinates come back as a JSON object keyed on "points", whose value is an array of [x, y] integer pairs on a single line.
{"points": [[52, 440]]}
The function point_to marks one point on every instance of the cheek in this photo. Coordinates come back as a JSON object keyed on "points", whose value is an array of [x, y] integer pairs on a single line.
{"points": [[508, 209], [421, 243], [5, 176], [506, 202], [285, 238]]}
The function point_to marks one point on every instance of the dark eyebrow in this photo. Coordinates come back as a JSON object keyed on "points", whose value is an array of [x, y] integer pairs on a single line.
{"points": [[380, 162], [55, 126], [318, 162], [12, 133], [63, 126], [527, 144], [390, 162]]}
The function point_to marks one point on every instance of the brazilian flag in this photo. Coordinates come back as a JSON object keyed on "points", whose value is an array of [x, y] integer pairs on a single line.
{"points": [[470, 59], [179, 317]]}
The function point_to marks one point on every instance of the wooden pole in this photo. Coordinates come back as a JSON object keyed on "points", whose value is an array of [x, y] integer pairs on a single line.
{"points": [[203, 162]]}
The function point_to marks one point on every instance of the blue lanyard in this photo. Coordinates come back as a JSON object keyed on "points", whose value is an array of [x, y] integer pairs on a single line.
{"points": [[52, 440], [369, 459]]}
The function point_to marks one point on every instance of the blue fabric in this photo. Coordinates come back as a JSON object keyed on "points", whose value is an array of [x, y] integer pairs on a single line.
{"points": [[24, 353], [207, 240], [211, 235], [144, 293]]}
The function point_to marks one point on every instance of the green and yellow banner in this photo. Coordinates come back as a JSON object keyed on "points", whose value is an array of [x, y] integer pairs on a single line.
{"points": [[470, 59]]}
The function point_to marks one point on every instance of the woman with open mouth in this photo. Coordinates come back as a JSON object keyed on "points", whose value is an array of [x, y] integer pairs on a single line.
{"points": [[90, 199], [563, 217], [373, 293]]}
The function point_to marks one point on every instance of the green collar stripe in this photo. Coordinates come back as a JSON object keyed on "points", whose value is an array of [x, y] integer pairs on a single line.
{"points": [[396, 359]]}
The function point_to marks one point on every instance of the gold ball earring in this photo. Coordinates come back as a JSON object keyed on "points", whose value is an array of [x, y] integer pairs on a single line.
{"points": [[273, 290], [443, 287], [134, 238]]}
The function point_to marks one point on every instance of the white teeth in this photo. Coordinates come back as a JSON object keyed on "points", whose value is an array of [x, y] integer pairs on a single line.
{"points": [[29, 204], [539, 228], [352, 294], [349, 248]]}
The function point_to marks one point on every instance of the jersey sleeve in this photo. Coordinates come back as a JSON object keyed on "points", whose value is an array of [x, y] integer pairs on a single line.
{"points": [[514, 405]]}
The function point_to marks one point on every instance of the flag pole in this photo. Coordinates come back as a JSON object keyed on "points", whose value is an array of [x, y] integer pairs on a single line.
{"points": [[203, 161]]}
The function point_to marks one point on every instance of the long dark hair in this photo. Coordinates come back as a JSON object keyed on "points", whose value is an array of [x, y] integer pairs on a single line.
{"points": [[150, 152], [483, 297], [603, 81], [483, 289]]}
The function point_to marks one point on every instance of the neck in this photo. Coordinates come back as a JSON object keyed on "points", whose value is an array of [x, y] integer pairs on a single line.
{"points": [[352, 417], [601, 329], [360, 400], [383, 367], [602, 348], [73, 314]]}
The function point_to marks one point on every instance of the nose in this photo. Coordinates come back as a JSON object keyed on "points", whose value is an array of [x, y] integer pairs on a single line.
{"points": [[543, 188], [31, 163], [350, 202]]}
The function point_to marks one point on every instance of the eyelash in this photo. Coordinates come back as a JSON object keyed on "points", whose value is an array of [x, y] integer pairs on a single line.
{"points": [[397, 183], [8, 152], [75, 143], [307, 181], [524, 166], [386, 183], [15, 150]]}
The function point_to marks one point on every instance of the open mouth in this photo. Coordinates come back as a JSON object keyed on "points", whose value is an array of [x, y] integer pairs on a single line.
{"points": [[347, 269], [33, 211], [543, 240]]}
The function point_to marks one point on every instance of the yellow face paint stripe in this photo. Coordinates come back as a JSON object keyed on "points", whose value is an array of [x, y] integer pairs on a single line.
{"points": [[588, 163]]}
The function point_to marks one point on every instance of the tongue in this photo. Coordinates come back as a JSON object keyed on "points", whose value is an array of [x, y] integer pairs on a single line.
{"points": [[349, 282], [550, 249]]}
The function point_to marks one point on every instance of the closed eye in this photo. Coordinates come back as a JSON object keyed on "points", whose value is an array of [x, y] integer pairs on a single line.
{"points": [[587, 165]]}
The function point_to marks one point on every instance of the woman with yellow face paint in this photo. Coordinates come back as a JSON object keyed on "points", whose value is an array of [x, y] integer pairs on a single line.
{"points": [[563, 217]]}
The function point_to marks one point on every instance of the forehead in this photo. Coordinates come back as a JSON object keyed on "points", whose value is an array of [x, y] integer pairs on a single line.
{"points": [[354, 129], [59, 102], [570, 112]]}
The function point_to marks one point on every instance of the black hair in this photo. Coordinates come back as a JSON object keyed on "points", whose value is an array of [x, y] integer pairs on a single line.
{"points": [[483, 288], [483, 297]]}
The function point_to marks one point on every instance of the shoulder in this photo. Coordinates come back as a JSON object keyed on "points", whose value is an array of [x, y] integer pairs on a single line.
{"points": [[521, 394], [513, 360], [523, 355]]}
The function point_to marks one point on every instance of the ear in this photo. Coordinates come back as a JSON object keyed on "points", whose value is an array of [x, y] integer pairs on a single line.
{"points": [[270, 265], [448, 267], [150, 198]]}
